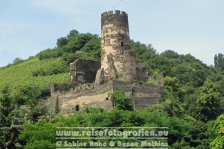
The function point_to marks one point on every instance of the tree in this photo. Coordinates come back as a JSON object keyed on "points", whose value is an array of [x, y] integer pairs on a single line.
{"points": [[15, 128], [39, 135], [5, 115], [26, 94], [218, 142], [172, 97], [170, 54], [73, 33], [17, 61], [37, 111], [209, 102], [219, 61], [5, 107], [62, 42], [121, 102]]}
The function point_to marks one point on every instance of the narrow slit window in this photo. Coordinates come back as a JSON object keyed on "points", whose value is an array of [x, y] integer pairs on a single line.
{"points": [[77, 108], [122, 44]]}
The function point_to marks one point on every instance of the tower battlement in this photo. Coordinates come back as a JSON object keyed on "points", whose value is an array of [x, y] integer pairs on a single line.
{"points": [[115, 17], [116, 12]]}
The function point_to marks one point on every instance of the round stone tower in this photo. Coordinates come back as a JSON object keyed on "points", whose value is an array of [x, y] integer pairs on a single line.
{"points": [[117, 60]]}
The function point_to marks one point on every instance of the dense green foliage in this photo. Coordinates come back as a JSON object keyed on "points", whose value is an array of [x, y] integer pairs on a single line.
{"points": [[180, 128], [75, 45], [191, 107], [121, 101], [219, 129], [219, 61], [5, 107], [209, 102]]}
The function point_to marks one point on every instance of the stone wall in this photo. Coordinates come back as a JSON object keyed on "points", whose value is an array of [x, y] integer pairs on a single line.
{"points": [[145, 95], [142, 73], [83, 71], [52, 104], [98, 96], [83, 96]]}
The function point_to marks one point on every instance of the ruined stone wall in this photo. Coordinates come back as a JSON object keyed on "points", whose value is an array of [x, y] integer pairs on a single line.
{"points": [[83, 96], [130, 66], [93, 95], [115, 44], [145, 95], [142, 73], [52, 104], [83, 71], [142, 95]]}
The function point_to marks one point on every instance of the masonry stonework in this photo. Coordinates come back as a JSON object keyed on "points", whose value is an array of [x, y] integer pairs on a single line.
{"points": [[115, 44], [91, 82]]}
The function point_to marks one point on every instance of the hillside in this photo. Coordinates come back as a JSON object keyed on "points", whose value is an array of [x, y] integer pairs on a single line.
{"points": [[23, 73], [192, 104], [49, 66]]}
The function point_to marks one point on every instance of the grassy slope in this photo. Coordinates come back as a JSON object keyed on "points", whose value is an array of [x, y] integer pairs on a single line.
{"points": [[21, 74]]}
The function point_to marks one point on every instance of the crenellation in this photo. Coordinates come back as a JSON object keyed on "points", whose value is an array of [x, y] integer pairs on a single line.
{"points": [[123, 13], [117, 16], [110, 13], [117, 12]]}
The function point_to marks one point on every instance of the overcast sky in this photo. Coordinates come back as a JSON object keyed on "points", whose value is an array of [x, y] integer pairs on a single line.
{"points": [[185, 26]]}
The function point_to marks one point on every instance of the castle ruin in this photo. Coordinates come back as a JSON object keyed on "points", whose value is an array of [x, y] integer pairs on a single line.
{"points": [[91, 82]]}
